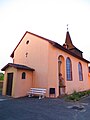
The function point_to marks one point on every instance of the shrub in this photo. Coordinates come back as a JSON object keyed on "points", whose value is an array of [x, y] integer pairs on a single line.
{"points": [[1, 76], [75, 96]]}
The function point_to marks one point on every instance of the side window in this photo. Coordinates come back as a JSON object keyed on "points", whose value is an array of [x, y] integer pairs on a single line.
{"points": [[23, 75], [27, 42], [80, 71], [68, 69]]}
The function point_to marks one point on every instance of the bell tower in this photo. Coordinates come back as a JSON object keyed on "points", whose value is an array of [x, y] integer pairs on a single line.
{"points": [[69, 45]]}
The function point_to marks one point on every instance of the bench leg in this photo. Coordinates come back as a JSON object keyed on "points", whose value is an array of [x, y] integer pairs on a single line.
{"points": [[30, 95], [41, 96]]}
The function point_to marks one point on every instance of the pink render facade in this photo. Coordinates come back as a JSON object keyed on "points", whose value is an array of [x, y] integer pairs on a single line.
{"points": [[43, 56]]}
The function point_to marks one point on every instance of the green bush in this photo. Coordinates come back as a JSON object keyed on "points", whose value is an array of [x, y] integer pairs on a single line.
{"points": [[88, 92], [75, 96], [1, 76]]}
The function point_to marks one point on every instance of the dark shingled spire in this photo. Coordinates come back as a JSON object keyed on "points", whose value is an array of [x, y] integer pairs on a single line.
{"points": [[69, 45], [68, 41]]}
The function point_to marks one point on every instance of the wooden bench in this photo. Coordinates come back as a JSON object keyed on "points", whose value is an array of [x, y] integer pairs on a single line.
{"points": [[37, 91]]}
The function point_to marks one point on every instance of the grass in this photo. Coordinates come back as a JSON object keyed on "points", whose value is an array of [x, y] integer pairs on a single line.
{"points": [[76, 96]]}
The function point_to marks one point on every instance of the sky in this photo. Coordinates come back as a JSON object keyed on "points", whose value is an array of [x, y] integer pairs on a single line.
{"points": [[47, 18]]}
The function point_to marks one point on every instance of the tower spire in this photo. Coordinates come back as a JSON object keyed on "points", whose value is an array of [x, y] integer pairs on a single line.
{"points": [[68, 41]]}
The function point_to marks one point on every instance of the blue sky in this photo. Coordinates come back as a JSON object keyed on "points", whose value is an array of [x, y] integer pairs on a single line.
{"points": [[47, 18]]}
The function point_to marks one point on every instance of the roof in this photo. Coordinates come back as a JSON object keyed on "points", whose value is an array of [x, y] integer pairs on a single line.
{"points": [[68, 41], [55, 44], [18, 66], [76, 49], [69, 52], [52, 42]]}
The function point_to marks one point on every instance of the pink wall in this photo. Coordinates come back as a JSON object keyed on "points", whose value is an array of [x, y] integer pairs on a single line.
{"points": [[9, 70], [89, 78], [20, 86], [43, 57], [37, 58], [71, 86]]}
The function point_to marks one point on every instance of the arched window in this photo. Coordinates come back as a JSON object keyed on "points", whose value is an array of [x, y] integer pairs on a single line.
{"points": [[80, 71], [23, 75], [68, 69]]}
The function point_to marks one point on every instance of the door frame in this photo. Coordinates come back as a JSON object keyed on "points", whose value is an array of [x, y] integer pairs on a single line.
{"points": [[9, 84]]}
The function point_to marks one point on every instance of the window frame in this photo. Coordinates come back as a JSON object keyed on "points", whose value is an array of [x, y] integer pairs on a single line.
{"points": [[23, 75], [80, 72], [69, 69]]}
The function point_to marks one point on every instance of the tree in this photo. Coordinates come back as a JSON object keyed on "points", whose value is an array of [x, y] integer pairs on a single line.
{"points": [[1, 76]]}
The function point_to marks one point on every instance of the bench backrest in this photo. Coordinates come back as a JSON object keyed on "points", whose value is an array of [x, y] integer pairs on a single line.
{"points": [[39, 90]]}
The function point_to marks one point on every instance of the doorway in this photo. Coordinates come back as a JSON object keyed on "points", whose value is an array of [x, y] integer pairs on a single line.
{"points": [[9, 84]]}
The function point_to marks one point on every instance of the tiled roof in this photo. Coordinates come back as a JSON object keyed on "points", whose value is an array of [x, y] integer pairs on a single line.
{"points": [[55, 44], [52, 42], [18, 66], [69, 52]]}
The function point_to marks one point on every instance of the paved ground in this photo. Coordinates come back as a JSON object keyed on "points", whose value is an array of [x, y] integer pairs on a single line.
{"points": [[44, 109]]}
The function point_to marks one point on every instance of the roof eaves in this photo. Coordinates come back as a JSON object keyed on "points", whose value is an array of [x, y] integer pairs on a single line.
{"points": [[50, 41], [18, 66], [53, 43], [77, 49], [12, 55], [69, 52]]}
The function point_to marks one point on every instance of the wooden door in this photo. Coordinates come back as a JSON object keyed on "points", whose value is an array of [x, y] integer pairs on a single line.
{"points": [[9, 84]]}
